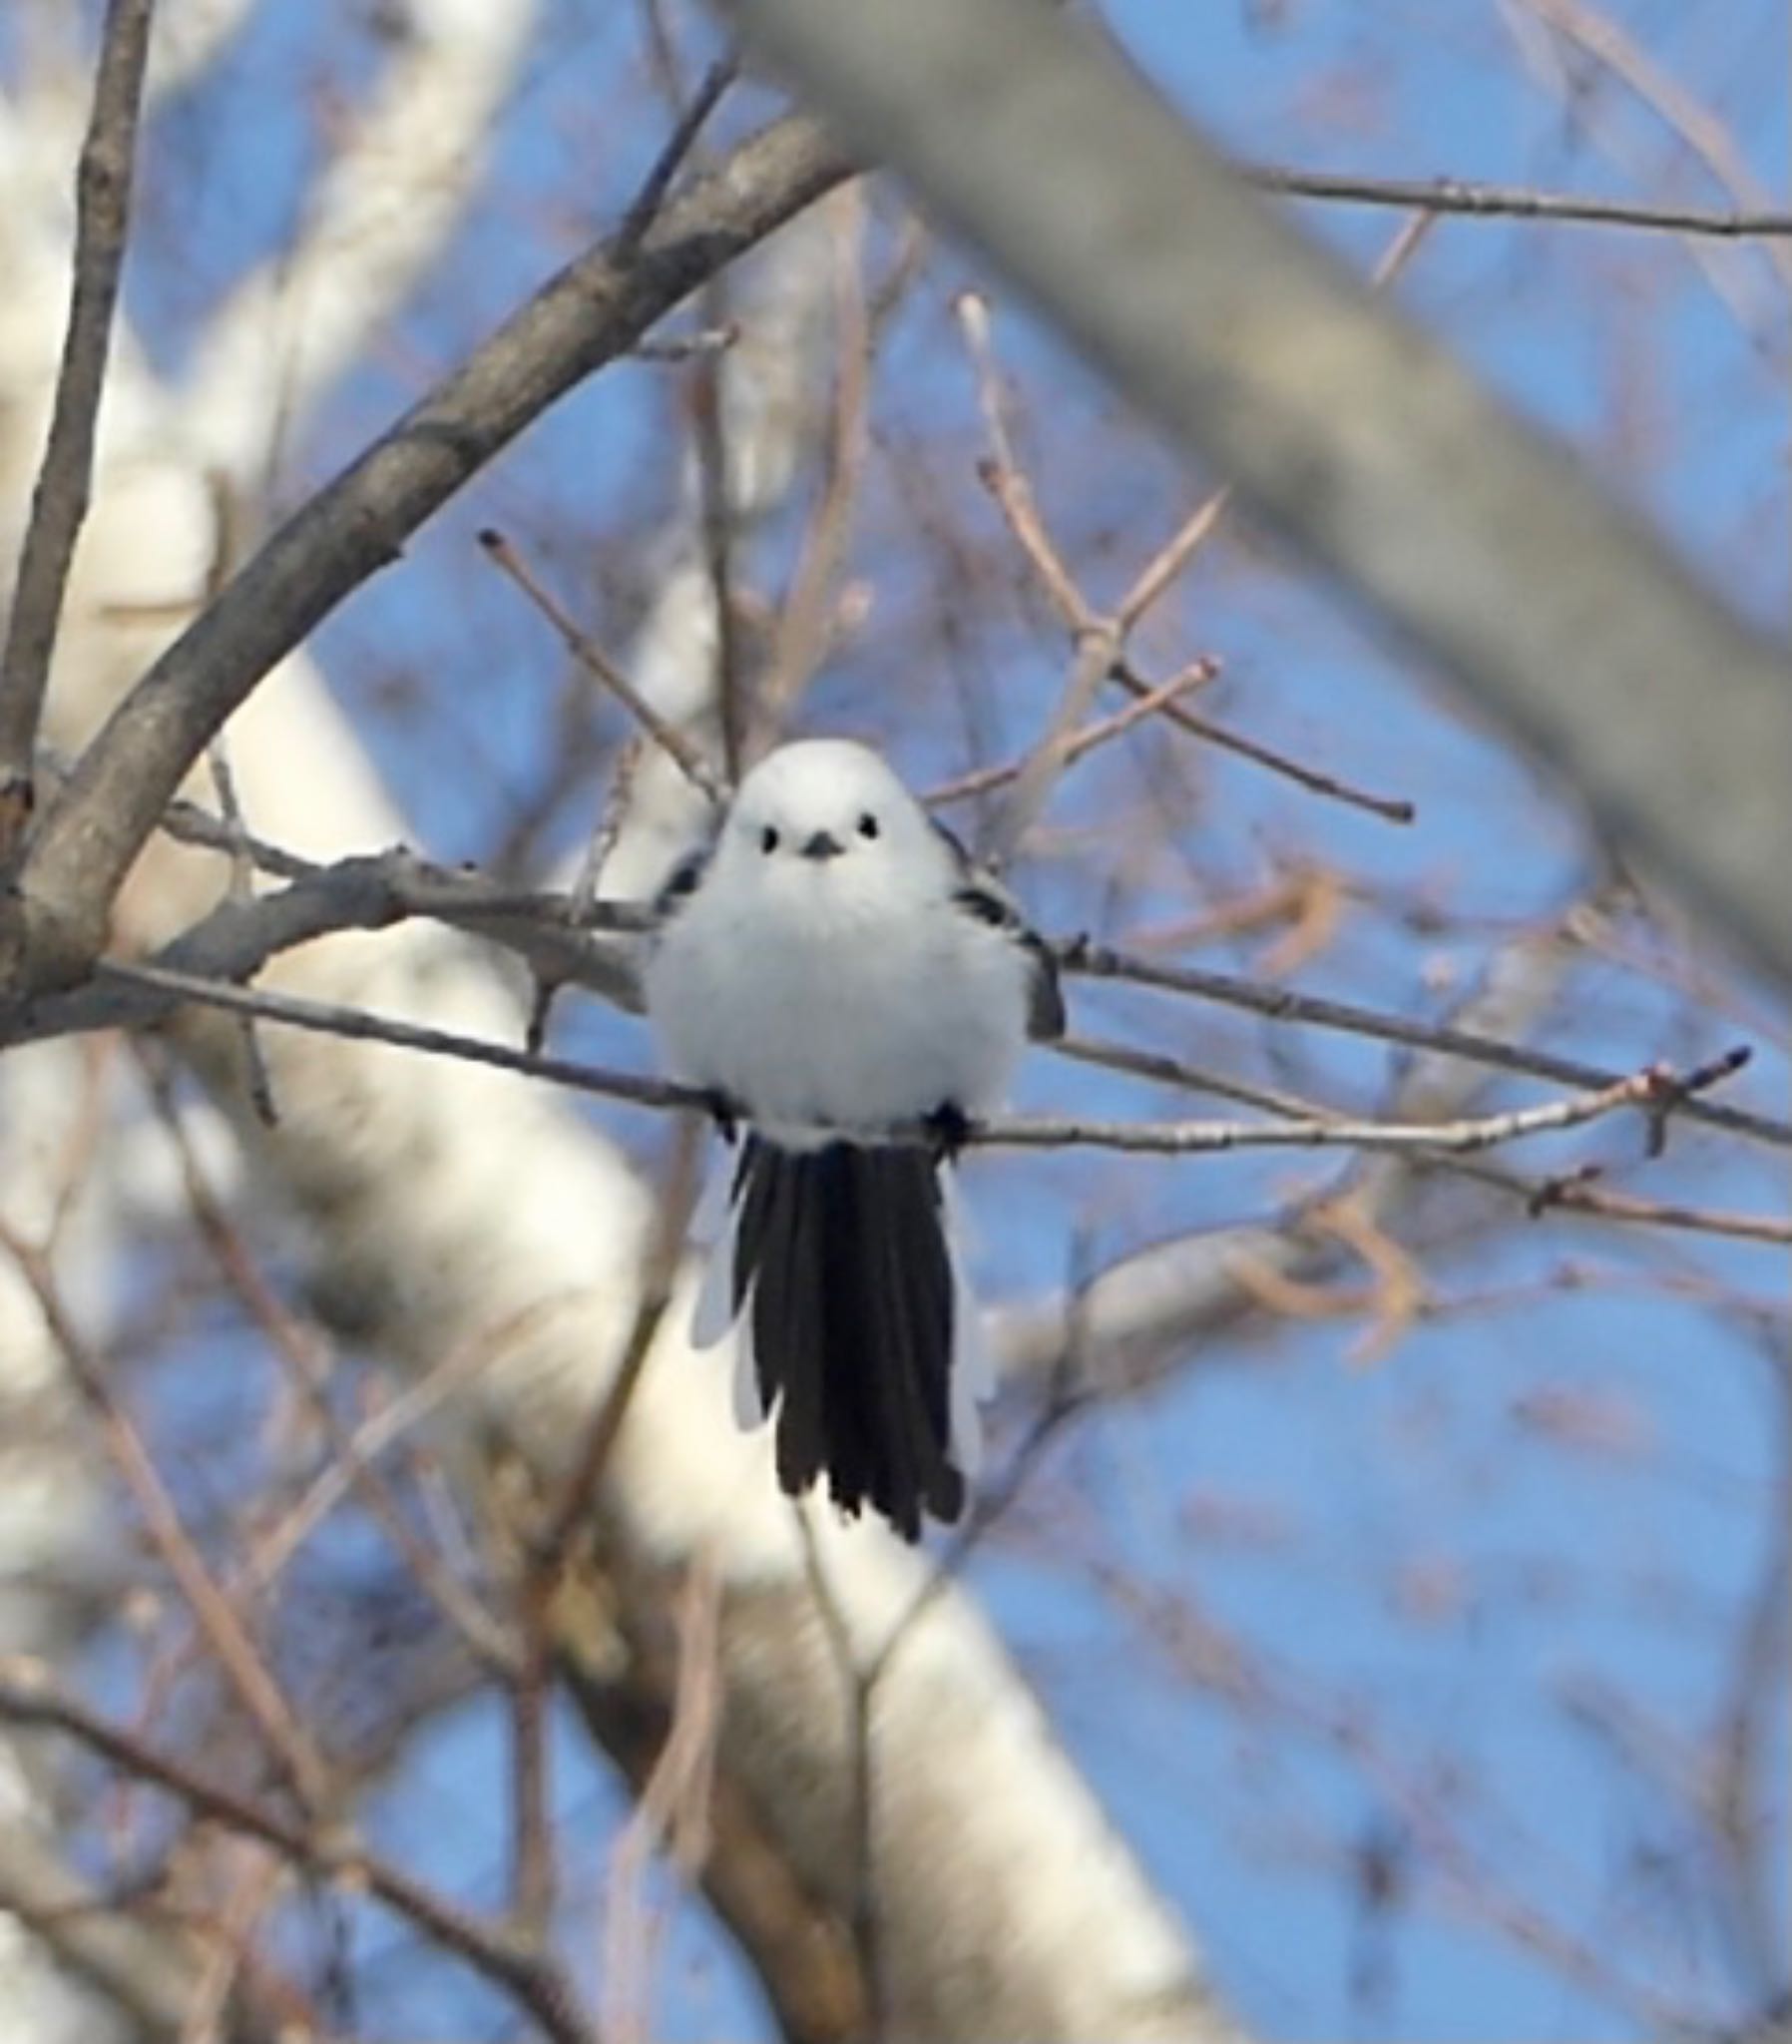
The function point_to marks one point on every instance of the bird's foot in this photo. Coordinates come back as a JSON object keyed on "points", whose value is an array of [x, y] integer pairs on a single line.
{"points": [[948, 1129], [725, 1112]]}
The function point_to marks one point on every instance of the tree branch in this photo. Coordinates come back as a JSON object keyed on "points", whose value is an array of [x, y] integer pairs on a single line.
{"points": [[59, 505], [1359, 438], [28, 1696], [594, 310], [1515, 201], [1284, 1004]]}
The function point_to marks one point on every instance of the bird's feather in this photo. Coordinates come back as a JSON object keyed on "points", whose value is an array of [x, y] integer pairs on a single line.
{"points": [[856, 1329], [836, 968]]}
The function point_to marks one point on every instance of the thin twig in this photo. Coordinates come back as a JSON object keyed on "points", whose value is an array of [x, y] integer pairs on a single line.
{"points": [[65, 482], [1283, 1005], [1098, 640], [673, 1808], [806, 618], [676, 147], [1163, 569], [1666, 94], [1164, 1070], [1647, 1090], [375, 1436], [323, 1018], [550, 979], [673, 742], [28, 1696], [1580, 1193], [189, 822], [1014, 498], [664, 1251], [1657, 1090], [1152, 702], [1167, 565], [716, 521], [212, 1612], [1396, 809], [304, 1354], [1517, 202], [260, 1085], [858, 1684], [1002, 475], [1091, 630]]}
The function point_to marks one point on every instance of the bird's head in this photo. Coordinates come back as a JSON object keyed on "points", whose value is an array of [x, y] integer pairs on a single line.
{"points": [[827, 814]]}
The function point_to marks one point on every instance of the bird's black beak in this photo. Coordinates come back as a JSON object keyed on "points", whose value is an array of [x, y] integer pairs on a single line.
{"points": [[822, 845]]}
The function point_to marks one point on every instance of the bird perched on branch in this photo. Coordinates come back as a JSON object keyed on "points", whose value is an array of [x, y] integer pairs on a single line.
{"points": [[851, 993]]}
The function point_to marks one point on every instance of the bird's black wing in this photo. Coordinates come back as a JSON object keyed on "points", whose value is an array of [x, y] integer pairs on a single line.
{"points": [[682, 882], [982, 896]]}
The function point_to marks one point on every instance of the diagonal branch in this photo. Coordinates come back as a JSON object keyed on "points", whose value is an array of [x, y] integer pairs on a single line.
{"points": [[59, 507], [1358, 437], [28, 1697], [594, 310]]}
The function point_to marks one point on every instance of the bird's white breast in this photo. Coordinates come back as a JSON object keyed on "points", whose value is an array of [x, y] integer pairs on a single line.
{"points": [[820, 1005]]}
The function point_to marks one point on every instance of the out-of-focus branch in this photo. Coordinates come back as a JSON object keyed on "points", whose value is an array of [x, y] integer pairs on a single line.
{"points": [[1606, 42], [376, 215], [103, 217], [592, 311], [665, 734], [1360, 440], [190, 35], [1143, 1311], [28, 1697], [147, 1972]]}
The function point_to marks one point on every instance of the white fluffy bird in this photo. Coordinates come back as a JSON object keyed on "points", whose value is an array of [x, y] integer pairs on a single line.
{"points": [[833, 971]]}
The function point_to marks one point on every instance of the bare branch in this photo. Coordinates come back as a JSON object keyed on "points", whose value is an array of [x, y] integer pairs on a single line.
{"points": [[1669, 97], [1515, 201], [239, 937], [1396, 809], [28, 1697], [139, 1967], [1651, 1090], [158, 989], [1284, 1004], [1361, 440], [667, 736], [592, 311], [212, 1612], [376, 213], [1148, 702], [676, 148], [59, 505], [1656, 1090]]}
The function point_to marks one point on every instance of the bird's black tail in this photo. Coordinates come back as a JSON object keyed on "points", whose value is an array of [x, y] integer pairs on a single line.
{"points": [[842, 1261]]}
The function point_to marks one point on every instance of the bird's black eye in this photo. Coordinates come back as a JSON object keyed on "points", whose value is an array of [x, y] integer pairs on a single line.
{"points": [[769, 840], [867, 825]]}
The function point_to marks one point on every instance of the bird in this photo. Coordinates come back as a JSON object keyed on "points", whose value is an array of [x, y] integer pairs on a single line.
{"points": [[851, 993]]}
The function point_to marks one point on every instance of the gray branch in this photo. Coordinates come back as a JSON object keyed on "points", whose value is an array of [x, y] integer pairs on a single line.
{"points": [[59, 505], [1359, 439], [594, 310]]}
